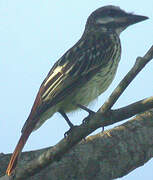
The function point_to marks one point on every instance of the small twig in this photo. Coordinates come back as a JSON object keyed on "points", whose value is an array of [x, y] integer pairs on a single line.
{"points": [[130, 110], [135, 108], [138, 66]]}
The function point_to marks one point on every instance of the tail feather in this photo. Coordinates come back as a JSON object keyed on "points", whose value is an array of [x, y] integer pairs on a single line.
{"points": [[14, 158]]}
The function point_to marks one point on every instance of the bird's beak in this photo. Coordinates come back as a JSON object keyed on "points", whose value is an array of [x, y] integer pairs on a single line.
{"points": [[133, 19]]}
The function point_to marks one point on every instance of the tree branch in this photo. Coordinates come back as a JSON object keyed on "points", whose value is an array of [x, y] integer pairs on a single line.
{"points": [[107, 155], [92, 123], [102, 118]]}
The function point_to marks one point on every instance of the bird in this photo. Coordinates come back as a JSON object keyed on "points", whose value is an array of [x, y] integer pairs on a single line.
{"points": [[83, 73]]}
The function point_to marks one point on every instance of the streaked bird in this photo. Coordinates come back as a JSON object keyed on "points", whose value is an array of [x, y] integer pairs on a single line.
{"points": [[83, 73]]}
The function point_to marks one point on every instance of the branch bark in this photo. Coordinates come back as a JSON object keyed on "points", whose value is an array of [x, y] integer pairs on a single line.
{"points": [[107, 155]]}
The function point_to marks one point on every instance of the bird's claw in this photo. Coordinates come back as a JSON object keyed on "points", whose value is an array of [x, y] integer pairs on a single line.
{"points": [[67, 133], [87, 119]]}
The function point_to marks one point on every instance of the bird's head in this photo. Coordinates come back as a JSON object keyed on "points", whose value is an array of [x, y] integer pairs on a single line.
{"points": [[112, 18]]}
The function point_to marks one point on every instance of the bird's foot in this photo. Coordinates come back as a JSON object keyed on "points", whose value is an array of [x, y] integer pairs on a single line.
{"points": [[67, 133], [86, 109], [89, 111]]}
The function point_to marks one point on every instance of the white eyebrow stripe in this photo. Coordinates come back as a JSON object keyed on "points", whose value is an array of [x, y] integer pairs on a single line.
{"points": [[106, 20]]}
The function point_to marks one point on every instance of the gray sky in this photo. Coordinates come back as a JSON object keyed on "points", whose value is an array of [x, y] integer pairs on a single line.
{"points": [[33, 35]]}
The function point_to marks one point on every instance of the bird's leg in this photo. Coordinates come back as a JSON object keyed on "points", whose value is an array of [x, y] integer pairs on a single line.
{"points": [[85, 109], [89, 111], [68, 122], [66, 118]]}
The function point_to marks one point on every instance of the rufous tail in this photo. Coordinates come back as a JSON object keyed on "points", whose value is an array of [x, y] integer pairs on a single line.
{"points": [[14, 158]]}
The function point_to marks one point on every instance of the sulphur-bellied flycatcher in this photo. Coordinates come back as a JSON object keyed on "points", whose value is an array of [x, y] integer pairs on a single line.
{"points": [[83, 73]]}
